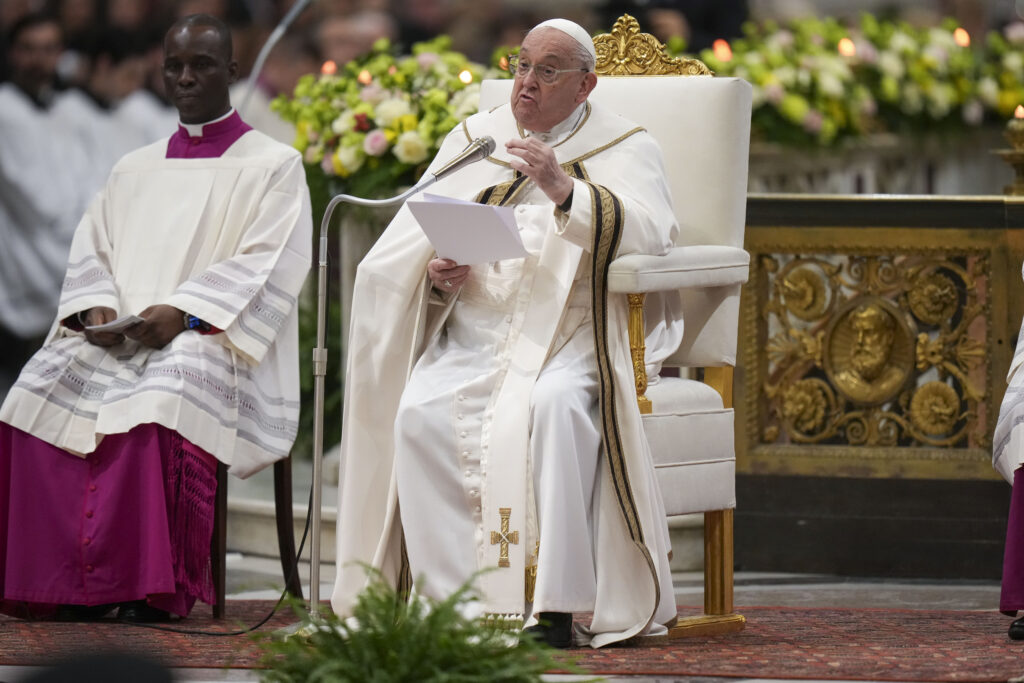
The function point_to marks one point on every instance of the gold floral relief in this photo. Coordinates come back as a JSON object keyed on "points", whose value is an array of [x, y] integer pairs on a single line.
{"points": [[868, 349], [626, 51]]}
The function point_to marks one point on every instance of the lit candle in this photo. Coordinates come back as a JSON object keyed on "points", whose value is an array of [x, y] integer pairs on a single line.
{"points": [[1015, 129], [723, 52]]}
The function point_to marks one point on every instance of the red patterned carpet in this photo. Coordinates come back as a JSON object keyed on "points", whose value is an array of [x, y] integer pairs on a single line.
{"points": [[778, 642]]}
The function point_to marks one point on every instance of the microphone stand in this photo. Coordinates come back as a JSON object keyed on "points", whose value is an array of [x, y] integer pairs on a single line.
{"points": [[477, 149], [272, 40], [302, 629]]}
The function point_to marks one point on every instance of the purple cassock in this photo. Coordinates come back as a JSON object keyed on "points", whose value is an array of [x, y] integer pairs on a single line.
{"points": [[131, 521], [1012, 597]]}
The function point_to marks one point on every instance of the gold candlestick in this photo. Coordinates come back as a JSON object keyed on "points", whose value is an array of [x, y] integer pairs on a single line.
{"points": [[1015, 156]]}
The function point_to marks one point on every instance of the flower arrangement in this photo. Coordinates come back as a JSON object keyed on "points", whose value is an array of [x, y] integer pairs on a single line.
{"points": [[817, 82], [805, 91], [923, 78], [373, 124]]}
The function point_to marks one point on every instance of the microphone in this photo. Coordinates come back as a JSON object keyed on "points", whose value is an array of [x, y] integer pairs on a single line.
{"points": [[478, 149]]}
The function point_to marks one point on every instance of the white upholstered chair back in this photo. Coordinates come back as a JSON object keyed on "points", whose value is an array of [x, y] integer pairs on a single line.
{"points": [[703, 126]]}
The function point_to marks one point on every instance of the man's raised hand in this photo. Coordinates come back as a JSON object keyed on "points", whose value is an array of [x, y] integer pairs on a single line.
{"points": [[538, 161]]}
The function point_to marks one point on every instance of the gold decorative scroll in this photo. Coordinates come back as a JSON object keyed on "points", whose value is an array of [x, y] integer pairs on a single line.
{"points": [[628, 52]]}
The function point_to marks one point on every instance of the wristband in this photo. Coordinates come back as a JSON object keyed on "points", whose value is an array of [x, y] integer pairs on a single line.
{"points": [[193, 323]]}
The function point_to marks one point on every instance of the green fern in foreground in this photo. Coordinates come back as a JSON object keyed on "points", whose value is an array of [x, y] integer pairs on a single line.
{"points": [[419, 640]]}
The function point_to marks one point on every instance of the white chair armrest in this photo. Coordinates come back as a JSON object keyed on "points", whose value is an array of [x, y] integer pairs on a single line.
{"points": [[703, 265]]}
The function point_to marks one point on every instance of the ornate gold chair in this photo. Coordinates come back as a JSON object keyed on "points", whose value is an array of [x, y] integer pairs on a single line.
{"points": [[703, 126]]}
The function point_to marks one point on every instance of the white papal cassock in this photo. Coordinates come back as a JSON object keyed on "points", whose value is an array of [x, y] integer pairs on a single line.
{"points": [[226, 239], [519, 381]]}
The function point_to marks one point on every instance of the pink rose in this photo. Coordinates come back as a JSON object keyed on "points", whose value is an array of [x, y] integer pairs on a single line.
{"points": [[375, 143]]}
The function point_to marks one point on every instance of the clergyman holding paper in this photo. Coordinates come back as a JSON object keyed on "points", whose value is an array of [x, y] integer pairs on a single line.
{"points": [[490, 415]]}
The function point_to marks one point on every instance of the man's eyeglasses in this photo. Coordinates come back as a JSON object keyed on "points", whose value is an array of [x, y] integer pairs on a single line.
{"points": [[545, 74]]}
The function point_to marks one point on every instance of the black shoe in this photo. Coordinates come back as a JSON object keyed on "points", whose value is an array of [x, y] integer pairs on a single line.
{"points": [[1017, 629], [82, 612], [140, 612], [553, 628]]}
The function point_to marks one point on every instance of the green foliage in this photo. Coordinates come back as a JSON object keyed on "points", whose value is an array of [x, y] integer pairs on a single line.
{"points": [[419, 640]]}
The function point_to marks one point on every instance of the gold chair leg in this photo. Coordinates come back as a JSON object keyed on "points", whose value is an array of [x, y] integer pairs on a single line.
{"points": [[718, 617]]}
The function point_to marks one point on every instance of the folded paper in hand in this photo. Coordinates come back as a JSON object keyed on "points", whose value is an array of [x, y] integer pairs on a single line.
{"points": [[119, 325], [467, 232]]}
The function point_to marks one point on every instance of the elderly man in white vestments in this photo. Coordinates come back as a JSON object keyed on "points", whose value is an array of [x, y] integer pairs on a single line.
{"points": [[517, 446], [110, 438]]}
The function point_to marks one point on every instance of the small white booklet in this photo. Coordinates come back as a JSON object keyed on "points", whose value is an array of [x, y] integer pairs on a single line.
{"points": [[119, 325], [467, 232]]}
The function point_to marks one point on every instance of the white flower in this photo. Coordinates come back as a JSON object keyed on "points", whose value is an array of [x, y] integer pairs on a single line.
{"points": [[426, 60], [1013, 62], [866, 51], [901, 42], [829, 85], [973, 113], [391, 109], [913, 99], [781, 39], [344, 123], [988, 91], [373, 94], [937, 55], [891, 64], [940, 100], [940, 37], [466, 101], [410, 148], [774, 92], [786, 75], [1015, 32], [351, 158]]}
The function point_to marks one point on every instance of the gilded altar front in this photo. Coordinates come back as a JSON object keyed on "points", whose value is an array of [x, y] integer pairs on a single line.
{"points": [[875, 335]]}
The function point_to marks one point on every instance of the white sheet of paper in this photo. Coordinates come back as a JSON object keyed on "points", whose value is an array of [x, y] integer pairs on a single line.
{"points": [[467, 232], [119, 325]]}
